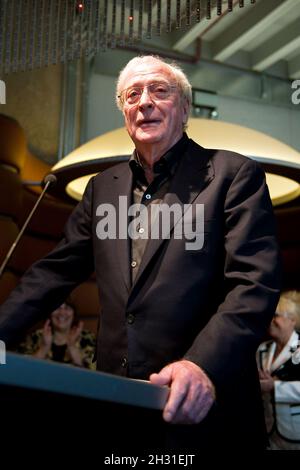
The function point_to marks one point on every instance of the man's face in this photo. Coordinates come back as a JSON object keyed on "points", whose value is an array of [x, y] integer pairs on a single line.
{"points": [[150, 120]]}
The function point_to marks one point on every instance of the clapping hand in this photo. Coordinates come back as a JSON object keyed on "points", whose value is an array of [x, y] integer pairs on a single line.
{"points": [[72, 338], [46, 341], [266, 381], [47, 334], [74, 334]]}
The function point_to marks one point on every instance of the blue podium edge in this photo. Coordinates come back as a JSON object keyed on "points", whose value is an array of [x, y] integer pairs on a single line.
{"points": [[36, 374]]}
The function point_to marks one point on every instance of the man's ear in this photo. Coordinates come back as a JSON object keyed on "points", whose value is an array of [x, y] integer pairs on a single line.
{"points": [[186, 111]]}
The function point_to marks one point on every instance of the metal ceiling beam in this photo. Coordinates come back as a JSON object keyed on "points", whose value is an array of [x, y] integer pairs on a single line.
{"points": [[194, 32], [251, 25], [294, 67], [277, 47]]}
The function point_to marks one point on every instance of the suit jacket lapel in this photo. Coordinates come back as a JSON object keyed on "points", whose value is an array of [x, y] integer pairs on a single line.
{"points": [[286, 353], [193, 174], [267, 355], [122, 193]]}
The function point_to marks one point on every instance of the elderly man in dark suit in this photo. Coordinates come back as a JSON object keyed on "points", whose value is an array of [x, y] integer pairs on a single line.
{"points": [[190, 317]]}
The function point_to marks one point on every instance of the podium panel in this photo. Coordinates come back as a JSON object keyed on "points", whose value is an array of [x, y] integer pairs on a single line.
{"points": [[31, 374], [117, 414]]}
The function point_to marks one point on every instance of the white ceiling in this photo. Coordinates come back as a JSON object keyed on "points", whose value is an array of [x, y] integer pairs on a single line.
{"points": [[268, 32]]}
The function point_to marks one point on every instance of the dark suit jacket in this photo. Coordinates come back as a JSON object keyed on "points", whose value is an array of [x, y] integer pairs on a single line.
{"points": [[211, 306]]}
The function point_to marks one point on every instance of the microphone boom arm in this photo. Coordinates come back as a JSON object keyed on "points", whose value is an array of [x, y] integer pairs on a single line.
{"points": [[49, 179]]}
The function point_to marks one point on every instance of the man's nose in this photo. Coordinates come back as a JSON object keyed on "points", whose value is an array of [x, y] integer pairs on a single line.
{"points": [[145, 99]]}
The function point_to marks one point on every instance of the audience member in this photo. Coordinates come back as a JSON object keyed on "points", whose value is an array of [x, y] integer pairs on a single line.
{"points": [[279, 370], [62, 339]]}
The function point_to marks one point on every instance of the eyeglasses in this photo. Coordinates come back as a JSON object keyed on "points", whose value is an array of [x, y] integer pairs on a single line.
{"points": [[283, 314], [158, 91]]}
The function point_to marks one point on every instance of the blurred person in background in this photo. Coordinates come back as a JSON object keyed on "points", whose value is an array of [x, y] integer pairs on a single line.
{"points": [[62, 339], [279, 370]]}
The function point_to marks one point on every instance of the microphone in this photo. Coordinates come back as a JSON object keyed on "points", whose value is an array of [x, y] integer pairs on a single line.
{"points": [[49, 180]]}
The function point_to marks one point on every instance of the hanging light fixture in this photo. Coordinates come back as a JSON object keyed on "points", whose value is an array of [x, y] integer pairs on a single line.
{"points": [[149, 21], [168, 21], [113, 24], [208, 10], [37, 33], [198, 11], [188, 12], [178, 14], [158, 21], [131, 21], [140, 24]]}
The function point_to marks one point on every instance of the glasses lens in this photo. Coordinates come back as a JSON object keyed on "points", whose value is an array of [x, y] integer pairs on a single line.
{"points": [[157, 91], [283, 314], [133, 95]]}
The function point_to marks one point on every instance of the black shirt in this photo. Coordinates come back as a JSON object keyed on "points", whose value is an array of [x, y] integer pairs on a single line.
{"points": [[148, 194]]}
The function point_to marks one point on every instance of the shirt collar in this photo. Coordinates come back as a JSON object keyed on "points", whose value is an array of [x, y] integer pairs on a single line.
{"points": [[285, 354], [166, 164], [293, 341]]}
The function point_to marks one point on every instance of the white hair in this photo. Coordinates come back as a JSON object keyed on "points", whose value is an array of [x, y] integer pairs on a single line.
{"points": [[180, 78], [290, 303]]}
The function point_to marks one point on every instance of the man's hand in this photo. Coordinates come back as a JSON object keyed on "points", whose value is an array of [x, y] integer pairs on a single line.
{"points": [[266, 381], [192, 392]]}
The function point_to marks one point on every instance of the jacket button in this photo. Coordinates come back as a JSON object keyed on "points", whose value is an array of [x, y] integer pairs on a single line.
{"points": [[130, 319], [124, 362]]}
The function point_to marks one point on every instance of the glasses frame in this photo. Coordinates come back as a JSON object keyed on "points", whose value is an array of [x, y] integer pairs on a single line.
{"points": [[122, 93], [283, 314]]}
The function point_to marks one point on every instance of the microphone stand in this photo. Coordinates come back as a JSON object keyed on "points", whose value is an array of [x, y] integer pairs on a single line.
{"points": [[49, 179]]}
